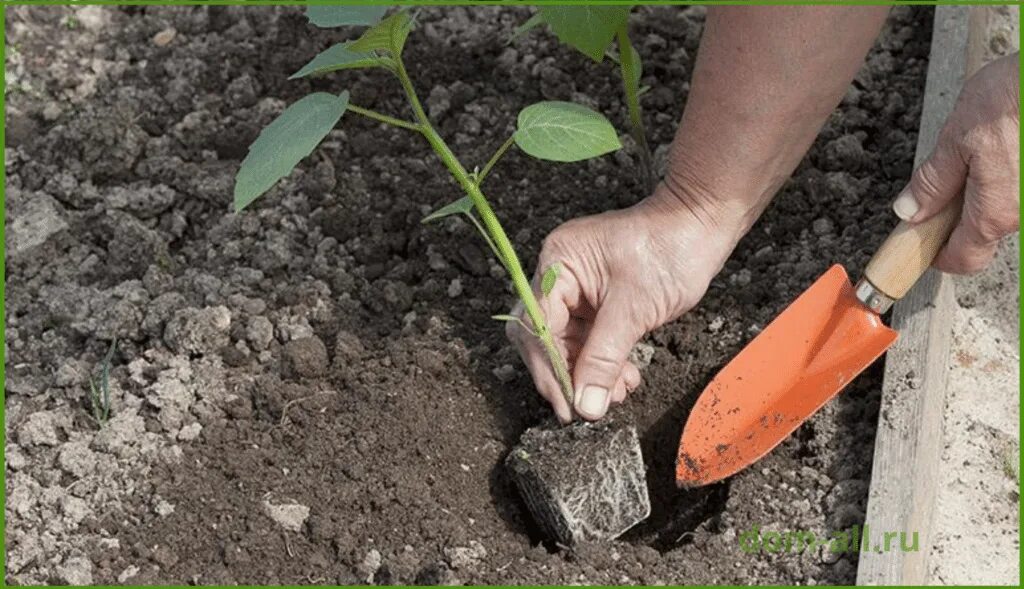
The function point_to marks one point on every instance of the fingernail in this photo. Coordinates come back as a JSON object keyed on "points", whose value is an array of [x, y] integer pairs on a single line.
{"points": [[905, 206], [593, 402]]}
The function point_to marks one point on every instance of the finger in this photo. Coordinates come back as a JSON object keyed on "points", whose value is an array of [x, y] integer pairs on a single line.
{"points": [[604, 354], [619, 392], [963, 255], [631, 376], [544, 378], [935, 183], [555, 310], [976, 237]]}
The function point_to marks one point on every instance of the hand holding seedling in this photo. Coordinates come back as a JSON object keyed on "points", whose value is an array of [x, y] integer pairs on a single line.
{"points": [[623, 273], [978, 156]]}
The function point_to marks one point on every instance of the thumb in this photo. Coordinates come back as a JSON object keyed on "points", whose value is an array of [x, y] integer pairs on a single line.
{"points": [[934, 184], [602, 358]]}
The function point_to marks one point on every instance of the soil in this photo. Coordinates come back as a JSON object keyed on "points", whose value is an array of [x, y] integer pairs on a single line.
{"points": [[313, 391]]}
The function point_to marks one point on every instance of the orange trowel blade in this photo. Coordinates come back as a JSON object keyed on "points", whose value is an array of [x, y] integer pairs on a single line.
{"points": [[820, 343]]}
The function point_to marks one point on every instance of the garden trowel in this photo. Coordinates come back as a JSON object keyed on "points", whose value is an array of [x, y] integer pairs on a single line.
{"points": [[813, 349]]}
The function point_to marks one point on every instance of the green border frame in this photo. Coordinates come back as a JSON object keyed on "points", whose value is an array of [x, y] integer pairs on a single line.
{"points": [[3, 97]]}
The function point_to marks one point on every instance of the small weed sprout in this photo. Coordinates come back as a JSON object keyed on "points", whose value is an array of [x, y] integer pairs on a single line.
{"points": [[591, 30], [554, 131], [100, 389]]}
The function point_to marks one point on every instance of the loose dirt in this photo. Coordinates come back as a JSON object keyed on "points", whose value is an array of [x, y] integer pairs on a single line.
{"points": [[313, 391]]}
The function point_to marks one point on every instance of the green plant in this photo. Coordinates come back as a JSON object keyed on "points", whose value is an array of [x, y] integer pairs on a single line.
{"points": [[591, 30], [100, 391], [556, 131]]}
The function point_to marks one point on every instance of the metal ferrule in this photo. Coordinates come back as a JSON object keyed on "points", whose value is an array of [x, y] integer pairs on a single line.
{"points": [[871, 297]]}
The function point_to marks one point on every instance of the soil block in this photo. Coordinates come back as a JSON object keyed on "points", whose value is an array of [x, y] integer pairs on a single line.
{"points": [[582, 482]]}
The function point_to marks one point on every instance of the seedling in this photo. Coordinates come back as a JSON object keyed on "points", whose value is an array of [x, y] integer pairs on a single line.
{"points": [[555, 131], [100, 389], [591, 30]]}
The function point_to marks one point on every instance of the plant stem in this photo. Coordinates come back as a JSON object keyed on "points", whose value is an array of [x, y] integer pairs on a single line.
{"points": [[629, 70], [494, 159], [372, 114], [504, 247]]}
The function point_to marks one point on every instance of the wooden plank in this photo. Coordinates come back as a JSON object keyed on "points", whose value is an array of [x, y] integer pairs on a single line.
{"points": [[908, 442]]}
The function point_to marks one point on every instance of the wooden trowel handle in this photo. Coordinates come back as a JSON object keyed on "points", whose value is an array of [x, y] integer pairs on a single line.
{"points": [[909, 250]]}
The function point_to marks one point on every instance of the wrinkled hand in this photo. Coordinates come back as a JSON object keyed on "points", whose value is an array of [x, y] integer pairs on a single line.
{"points": [[623, 274], [978, 155]]}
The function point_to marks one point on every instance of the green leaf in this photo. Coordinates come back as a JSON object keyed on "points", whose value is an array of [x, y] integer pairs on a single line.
{"points": [[464, 205], [339, 57], [589, 29], [564, 132], [387, 35], [533, 22], [550, 277], [337, 16], [283, 143]]}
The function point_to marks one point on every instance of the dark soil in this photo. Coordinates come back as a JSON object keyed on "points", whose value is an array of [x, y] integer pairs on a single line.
{"points": [[325, 351]]}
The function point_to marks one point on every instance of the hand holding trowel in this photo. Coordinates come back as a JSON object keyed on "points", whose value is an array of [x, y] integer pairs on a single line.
{"points": [[813, 349]]}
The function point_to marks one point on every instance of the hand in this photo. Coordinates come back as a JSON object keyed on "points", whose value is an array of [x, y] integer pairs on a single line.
{"points": [[977, 155], [623, 274]]}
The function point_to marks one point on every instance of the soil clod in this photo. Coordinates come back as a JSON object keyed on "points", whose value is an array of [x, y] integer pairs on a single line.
{"points": [[582, 482]]}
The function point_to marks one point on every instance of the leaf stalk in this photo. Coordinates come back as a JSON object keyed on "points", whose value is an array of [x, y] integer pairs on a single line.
{"points": [[372, 114], [630, 83], [494, 159]]}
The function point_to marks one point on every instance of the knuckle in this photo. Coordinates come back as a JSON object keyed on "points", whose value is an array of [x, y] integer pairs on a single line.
{"points": [[992, 228], [927, 181], [982, 140]]}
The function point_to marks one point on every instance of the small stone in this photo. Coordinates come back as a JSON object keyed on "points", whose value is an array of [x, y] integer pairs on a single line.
{"points": [[348, 348], [259, 331], [305, 357], [93, 17], [198, 331], [164, 37], [76, 570], [289, 516], [52, 111], [465, 557], [189, 432], [455, 288], [32, 219], [75, 509], [436, 261], [844, 153], [370, 565], [829, 556], [127, 573], [164, 556], [398, 295], [741, 278], [439, 101], [40, 429], [641, 355], [76, 459], [472, 259], [16, 459], [822, 226], [506, 373], [716, 324], [163, 508]]}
